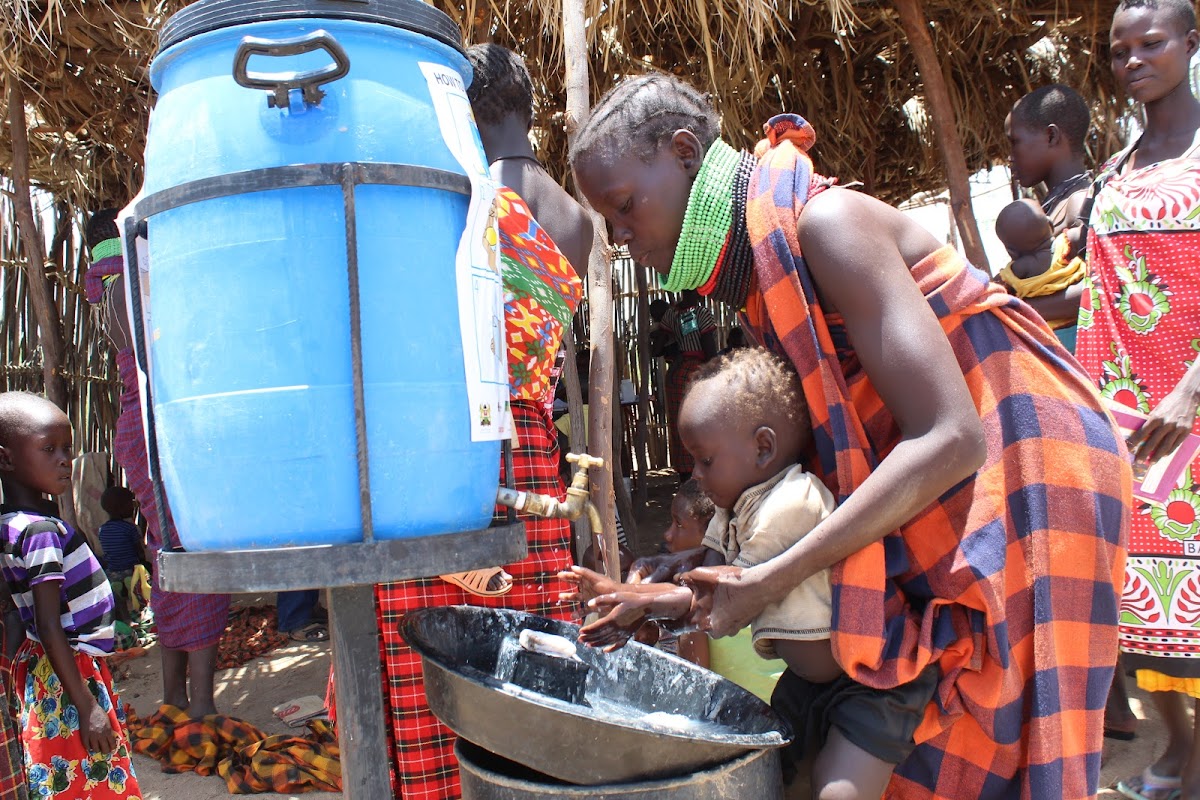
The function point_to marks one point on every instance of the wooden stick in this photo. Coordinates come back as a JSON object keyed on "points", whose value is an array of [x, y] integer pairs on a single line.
{"points": [[945, 126], [581, 529], [600, 375], [39, 287], [645, 363]]}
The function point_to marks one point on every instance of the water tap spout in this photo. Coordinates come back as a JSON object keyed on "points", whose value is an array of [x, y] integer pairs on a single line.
{"points": [[577, 503]]}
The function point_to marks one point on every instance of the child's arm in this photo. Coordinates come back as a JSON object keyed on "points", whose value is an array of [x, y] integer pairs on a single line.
{"points": [[625, 611], [590, 584], [143, 550], [94, 727], [694, 647], [664, 568]]}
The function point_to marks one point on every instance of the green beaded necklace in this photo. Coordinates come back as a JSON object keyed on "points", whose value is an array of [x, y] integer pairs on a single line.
{"points": [[106, 249], [707, 220]]}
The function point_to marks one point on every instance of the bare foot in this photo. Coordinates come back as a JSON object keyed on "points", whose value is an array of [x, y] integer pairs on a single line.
{"points": [[198, 710]]}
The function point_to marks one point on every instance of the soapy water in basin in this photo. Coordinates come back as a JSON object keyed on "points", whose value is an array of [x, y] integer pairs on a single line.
{"points": [[595, 706]]}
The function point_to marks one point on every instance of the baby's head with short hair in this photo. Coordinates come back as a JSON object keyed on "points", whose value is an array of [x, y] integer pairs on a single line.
{"points": [[23, 413], [35, 447], [744, 418], [1023, 227]]}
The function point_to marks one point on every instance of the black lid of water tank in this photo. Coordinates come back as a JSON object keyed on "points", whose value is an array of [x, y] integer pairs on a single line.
{"points": [[211, 15]]}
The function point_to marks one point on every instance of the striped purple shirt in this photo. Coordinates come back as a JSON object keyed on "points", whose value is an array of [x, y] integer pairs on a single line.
{"points": [[39, 548]]}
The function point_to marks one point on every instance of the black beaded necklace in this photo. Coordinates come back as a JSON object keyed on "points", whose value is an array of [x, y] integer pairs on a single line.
{"points": [[1064, 190]]}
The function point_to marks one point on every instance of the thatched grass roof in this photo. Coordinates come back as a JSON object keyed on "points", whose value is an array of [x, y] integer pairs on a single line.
{"points": [[842, 63]]}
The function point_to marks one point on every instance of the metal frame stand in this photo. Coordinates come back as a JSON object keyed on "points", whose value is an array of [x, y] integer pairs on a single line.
{"points": [[349, 571]]}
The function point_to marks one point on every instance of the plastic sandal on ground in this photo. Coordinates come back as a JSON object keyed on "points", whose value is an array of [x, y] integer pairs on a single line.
{"points": [[476, 581], [312, 632], [1149, 786]]}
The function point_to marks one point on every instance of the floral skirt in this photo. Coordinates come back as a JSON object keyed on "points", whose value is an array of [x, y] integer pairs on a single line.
{"points": [[56, 762]]}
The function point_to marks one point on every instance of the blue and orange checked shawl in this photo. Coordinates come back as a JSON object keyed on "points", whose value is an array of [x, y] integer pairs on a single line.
{"points": [[1010, 582]]}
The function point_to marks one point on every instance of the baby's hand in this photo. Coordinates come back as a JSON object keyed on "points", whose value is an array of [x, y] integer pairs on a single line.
{"points": [[588, 584], [624, 612]]}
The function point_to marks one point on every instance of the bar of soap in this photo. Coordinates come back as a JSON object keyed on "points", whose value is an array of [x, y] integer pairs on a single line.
{"points": [[547, 644]]}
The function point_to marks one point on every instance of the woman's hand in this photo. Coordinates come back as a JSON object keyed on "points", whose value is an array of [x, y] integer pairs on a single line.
{"points": [[726, 598], [1167, 426], [96, 730], [664, 568]]}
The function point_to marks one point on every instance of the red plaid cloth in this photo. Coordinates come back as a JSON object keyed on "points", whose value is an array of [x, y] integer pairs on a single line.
{"points": [[678, 377], [424, 766], [1010, 582], [12, 771]]}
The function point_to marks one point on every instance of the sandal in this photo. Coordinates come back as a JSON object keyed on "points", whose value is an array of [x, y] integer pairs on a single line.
{"points": [[476, 581], [312, 632], [1149, 786]]}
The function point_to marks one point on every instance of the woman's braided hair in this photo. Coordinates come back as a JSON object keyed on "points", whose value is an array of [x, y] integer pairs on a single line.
{"points": [[639, 113], [501, 85]]}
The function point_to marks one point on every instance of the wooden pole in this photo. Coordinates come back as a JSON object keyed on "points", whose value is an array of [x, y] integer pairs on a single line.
{"points": [[581, 529], [600, 301], [945, 127], [620, 492], [645, 364], [35, 268]]}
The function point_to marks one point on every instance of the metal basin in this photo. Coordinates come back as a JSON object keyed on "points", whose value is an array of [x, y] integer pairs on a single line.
{"points": [[648, 714]]}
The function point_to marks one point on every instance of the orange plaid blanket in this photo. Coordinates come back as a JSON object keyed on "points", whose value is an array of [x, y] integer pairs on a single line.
{"points": [[1011, 581], [250, 761]]}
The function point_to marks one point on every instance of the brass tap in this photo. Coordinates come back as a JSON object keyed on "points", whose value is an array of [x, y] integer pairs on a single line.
{"points": [[577, 504], [578, 500]]}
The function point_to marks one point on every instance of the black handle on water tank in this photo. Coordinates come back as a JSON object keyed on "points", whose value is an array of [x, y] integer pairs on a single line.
{"points": [[278, 84]]}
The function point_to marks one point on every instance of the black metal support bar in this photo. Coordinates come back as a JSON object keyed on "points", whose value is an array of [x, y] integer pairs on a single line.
{"points": [[296, 176], [140, 356], [349, 176], [319, 566], [362, 719], [510, 478]]}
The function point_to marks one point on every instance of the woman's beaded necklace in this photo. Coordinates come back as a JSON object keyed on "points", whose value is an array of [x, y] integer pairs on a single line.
{"points": [[706, 221], [1064, 189], [735, 270]]}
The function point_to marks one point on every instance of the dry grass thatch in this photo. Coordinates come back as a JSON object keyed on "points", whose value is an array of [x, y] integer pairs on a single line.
{"points": [[844, 64]]}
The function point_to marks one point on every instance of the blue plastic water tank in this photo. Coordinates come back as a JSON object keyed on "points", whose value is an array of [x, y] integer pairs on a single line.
{"points": [[250, 335]]}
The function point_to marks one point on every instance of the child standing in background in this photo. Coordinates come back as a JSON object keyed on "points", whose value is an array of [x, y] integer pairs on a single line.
{"points": [[123, 543], [1047, 130], [72, 724]]}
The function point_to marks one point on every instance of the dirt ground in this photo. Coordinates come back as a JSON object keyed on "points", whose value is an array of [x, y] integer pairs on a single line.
{"points": [[248, 692], [251, 691]]}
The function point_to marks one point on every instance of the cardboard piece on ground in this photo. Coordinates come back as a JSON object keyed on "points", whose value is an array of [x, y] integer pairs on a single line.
{"points": [[299, 711]]}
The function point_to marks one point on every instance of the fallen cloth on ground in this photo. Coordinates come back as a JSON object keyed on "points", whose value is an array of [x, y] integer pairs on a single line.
{"points": [[251, 632], [250, 760]]}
